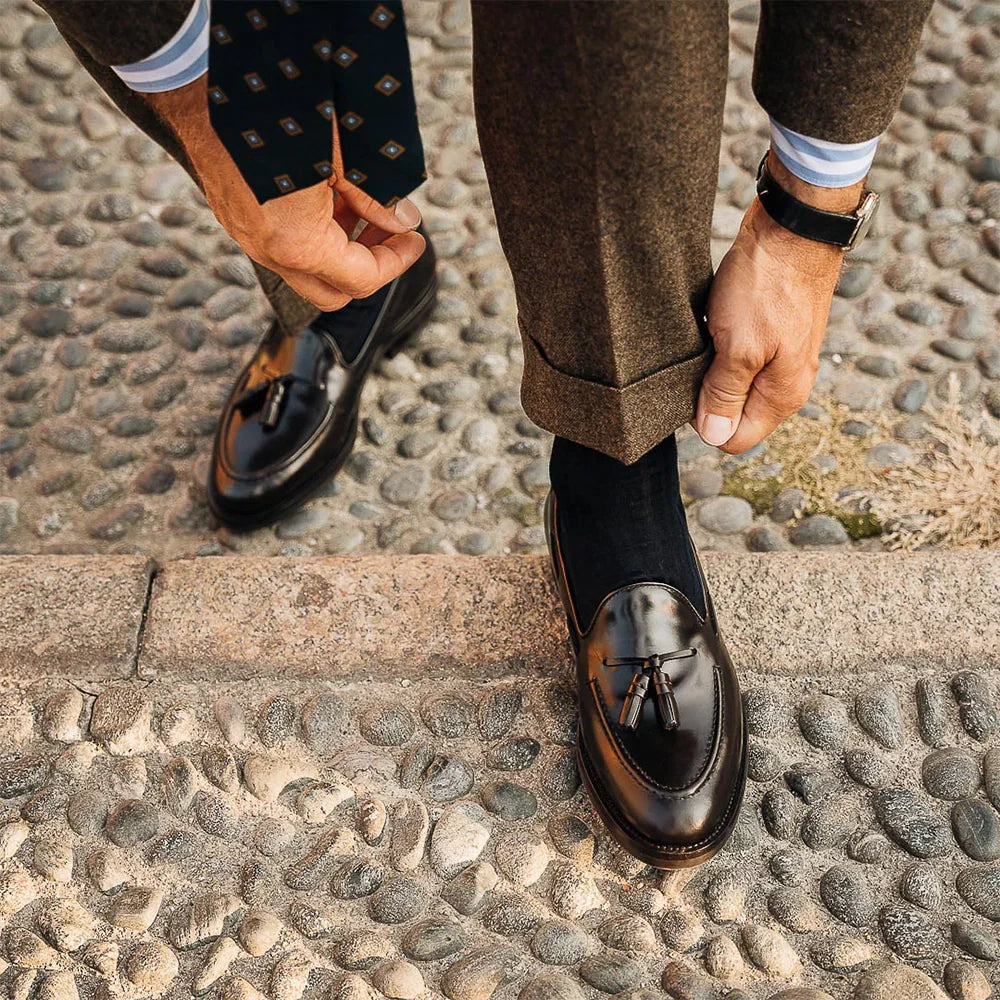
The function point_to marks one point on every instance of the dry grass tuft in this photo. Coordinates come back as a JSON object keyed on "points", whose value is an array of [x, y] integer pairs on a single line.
{"points": [[950, 496]]}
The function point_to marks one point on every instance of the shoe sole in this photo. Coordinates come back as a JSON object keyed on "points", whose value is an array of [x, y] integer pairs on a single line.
{"points": [[408, 327]]}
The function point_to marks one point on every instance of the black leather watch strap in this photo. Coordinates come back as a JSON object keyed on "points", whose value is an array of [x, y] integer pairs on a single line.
{"points": [[844, 231]]}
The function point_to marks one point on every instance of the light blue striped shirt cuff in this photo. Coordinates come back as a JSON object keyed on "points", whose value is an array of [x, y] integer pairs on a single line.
{"points": [[183, 59], [820, 162]]}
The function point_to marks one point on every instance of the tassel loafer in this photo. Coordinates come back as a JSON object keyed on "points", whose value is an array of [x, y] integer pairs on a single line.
{"points": [[661, 742], [292, 417]]}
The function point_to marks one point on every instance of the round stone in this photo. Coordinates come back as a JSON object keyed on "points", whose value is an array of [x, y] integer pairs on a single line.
{"points": [[150, 966], [258, 931], [966, 981], [975, 941], [793, 908], [467, 891], [515, 754], [977, 829], [446, 715], [818, 529], [433, 939], [362, 950], [447, 779], [87, 812], [975, 704], [498, 712], [725, 515], [404, 486], [65, 924], [133, 822], [571, 837], [769, 951], [550, 986], [60, 722], [980, 888], [839, 953], [763, 763], [478, 975], [521, 856], [931, 711], [725, 897], [908, 933], [823, 721], [508, 800], [911, 823], [120, 719], [723, 959], [399, 900], [610, 973], [387, 725], [764, 711], [950, 773], [573, 892], [879, 715], [891, 981], [781, 813], [867, 768], [845, 894], [787, 866], [276, 721], [356, 879], [921, 885], [682, 931], [459, 837], [22, 774], [829, 823]]}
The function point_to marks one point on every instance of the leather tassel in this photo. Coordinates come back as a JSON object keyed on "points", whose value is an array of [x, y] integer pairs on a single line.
{"points": [[272, 405], [666, 703], [632, 705]]}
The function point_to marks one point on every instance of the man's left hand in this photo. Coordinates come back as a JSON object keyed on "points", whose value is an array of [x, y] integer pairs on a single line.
{"points": [[767, 313]]}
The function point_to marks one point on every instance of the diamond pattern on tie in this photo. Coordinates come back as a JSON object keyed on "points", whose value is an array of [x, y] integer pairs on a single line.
{"points": [[284, 74]]}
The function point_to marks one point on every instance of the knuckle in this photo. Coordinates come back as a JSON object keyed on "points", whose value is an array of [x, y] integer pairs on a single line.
{"points": [[285, 250], [724, 394]]}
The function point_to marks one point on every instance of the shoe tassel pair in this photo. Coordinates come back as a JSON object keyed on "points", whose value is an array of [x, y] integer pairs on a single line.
{"points": [[651, 671]]}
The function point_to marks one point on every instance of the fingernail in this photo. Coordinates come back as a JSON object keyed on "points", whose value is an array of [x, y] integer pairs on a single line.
{"points": [[716, 430], [407, 213]]}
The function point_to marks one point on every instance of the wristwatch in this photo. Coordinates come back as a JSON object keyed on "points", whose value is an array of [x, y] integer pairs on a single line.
{"points": [[844, 231]]}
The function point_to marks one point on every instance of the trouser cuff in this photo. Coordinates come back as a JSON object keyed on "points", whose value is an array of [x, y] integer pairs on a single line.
{"points": [[621, 422]]}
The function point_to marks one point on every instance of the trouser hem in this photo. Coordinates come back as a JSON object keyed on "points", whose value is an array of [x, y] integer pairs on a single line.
{"points": [[624, 422]]}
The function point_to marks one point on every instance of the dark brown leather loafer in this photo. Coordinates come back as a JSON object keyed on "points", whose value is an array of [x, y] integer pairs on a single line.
{"points": [[292, 417], [661, 744]]}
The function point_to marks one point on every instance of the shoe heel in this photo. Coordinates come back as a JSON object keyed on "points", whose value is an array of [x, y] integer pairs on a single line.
{"points": [[411, 324]]}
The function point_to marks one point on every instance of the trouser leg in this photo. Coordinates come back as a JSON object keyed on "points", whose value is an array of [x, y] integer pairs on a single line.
{"points": [[600, 126]]}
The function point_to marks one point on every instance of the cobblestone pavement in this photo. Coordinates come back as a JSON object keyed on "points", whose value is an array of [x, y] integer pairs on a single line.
{"points": [[398, 840], [126, 314]]}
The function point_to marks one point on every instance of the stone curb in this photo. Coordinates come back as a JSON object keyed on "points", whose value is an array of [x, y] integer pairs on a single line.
{"points": [[71, 615], [784, 613], [415, 616]]}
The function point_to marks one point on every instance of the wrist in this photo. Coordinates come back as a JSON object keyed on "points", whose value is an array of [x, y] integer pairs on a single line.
{"points": [[185, 111], [808, 257], [829, 199]]}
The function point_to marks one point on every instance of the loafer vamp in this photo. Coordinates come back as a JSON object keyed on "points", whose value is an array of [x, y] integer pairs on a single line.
{"points": [[250, 450]]}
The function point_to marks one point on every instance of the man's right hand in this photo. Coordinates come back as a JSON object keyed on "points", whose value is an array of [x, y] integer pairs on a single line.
{"points": [[303, 236]]}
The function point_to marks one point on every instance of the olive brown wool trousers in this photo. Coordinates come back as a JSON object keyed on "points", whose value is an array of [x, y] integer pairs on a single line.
{"points": [[600, 123]]}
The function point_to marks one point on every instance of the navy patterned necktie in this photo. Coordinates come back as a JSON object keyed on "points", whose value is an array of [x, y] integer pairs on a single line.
{"points": [[282, 74]]}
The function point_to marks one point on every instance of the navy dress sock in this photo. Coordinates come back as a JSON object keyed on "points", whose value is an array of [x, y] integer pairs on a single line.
{"points": [[621, 524]]}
